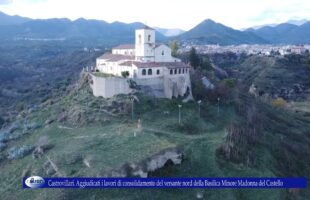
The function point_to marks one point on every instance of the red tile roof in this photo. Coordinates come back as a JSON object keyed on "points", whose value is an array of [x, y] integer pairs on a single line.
{"points": [[125, 46], [155, 64], [116, 57]]}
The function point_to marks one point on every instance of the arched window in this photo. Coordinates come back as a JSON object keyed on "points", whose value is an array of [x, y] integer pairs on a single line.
{"points": [[171, 71], [143, 72], [183, 71], [179, 71], [157, 72], [149, 38], [162, 53], [149, 72], [175, 71], [139, 39]]}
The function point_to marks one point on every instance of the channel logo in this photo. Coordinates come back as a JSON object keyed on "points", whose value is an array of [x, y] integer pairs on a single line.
{"points": [[34, 182]]}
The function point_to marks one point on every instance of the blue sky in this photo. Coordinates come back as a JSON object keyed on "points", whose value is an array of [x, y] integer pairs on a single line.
{"points": [[183, 14]]}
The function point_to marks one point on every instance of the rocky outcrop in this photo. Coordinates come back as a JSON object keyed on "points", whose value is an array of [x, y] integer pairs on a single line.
{"points": [[293, 92], [144, 167], [252, 90], [207, 83]]}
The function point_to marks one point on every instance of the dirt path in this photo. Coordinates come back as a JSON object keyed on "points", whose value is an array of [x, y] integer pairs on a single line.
{"points": [[182, 136]]}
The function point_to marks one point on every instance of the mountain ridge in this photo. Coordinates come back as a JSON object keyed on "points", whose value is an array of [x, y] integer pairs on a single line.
{"points": [[209, 31], [94, 31], [170, 32], [80, 29], [285, 33], [9, 20]]}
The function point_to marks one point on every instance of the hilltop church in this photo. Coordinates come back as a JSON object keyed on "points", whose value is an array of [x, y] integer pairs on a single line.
{"points": [[148, 64]]}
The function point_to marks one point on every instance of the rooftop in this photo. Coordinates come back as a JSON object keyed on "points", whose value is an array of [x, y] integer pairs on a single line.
{"points": [[146, 27], [155, 64], [115, 57], [125, 46]]}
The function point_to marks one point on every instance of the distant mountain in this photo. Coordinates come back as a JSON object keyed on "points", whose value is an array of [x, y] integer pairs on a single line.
{"points": [[260, 26], [169, 32], [292, 21], [273, 33], [297, 22], [80, 29], [210, 32], [101, 32], [11, 20], [285, 33]]}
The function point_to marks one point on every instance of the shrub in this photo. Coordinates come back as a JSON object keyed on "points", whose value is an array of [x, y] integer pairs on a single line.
{"points": [[13, 127], [199, 90], [125, 74], [1, 121], [43, 141], [4, 136], [20, 106], [16, 135], [132, 84], [17, 153], [2, 146], [239, 143], [229, 82], [2, 157], [189, 127], [279, 103], [32, 126]]}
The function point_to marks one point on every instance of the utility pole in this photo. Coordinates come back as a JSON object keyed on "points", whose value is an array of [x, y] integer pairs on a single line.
{"points": [[199, 103], [132, 106], [218, 106], [180, 106]]}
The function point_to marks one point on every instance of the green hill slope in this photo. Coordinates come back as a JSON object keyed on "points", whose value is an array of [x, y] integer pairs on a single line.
{"points": [[86, 136]]}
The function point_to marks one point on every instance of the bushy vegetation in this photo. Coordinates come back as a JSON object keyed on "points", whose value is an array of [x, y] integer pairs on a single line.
{"points": [[190, 127], [19, 152], [298, 59], [2, 146], [1, 122], [279, 103], [233, 137], [58, 64], [174, 48], [16, 131], [125, 74], [194, 58]]}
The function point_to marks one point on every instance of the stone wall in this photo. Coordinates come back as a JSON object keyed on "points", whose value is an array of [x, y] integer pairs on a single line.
{"points": [[145, 166], [179, 85], [108, 86], [152, 86], [166, 86]]}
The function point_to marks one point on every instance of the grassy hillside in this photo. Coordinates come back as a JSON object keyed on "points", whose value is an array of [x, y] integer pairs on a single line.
{"points": [[30, 71], [287, 77], [88, 136]]}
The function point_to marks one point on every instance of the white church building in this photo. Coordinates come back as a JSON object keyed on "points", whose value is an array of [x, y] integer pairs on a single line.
{"points": [[148, 64]]}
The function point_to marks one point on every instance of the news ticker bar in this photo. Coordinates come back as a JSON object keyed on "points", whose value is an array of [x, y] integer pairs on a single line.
{"points": [[39, 182]]}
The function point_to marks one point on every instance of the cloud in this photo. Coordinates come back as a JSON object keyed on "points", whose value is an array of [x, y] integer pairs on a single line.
{"points": [[163, 13], [281, 14], [5, 2]]}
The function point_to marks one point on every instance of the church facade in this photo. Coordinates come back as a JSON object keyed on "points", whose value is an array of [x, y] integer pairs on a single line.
{"points": [[149, 64]]}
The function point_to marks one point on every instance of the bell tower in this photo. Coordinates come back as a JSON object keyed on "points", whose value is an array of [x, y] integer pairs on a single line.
{"points": [[145, 44]]}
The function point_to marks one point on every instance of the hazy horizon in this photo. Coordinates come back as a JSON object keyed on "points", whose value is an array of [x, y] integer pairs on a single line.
{"points": [[183, 15]]}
